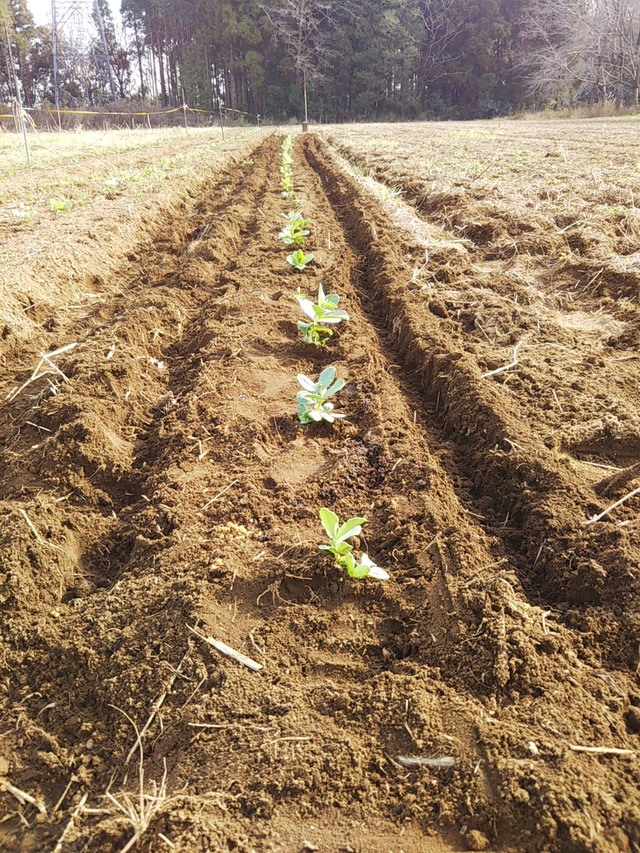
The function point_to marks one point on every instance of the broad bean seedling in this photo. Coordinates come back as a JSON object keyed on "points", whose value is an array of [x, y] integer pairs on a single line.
{"points": [[313, 400], [342, 550]]}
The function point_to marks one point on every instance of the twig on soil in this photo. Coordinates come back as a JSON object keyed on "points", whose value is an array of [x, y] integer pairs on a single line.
{"points": [[20, 817], [601, 750], [193, 692], [613, 506], [555, 397], [45, 358], [473, 577], [58, 848], [22, 796], [229, 726], [599, 465], [293, 547], [219, 495], [290, 738], [64, 794], [227, 651], [274, 589], [513, 363], [604, 676], [445, 761], [543, 617], [32, 528], [156, 707]]}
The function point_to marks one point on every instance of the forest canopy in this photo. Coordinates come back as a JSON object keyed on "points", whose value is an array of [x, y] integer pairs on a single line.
{"points": [[358, 59]]}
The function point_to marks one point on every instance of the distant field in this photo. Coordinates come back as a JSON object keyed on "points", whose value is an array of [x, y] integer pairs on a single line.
{"points": [[111, 186], [156, 484]]}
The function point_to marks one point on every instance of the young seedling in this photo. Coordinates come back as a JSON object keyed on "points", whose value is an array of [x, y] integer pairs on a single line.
{"points": [[61, 205], [313, 400], [23, 214], [299, 259], [287, 181], [295, 217], [295, 231], [342, 550], [323, 314], [292, 236]]}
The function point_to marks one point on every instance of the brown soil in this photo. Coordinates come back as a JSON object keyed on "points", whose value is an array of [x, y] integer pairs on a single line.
{"points": [[169, 484]]}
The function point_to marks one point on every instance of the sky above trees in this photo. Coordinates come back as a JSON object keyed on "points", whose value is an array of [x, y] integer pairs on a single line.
{"points": [[41, 10]]}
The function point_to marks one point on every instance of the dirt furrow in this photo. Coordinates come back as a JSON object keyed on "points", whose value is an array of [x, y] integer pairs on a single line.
{"points": [[561, 298], [74, 454], [540, 507], [472, 438]]}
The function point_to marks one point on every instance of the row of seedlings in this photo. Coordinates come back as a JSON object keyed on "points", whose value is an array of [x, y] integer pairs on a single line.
{"points": [[314, 400]]}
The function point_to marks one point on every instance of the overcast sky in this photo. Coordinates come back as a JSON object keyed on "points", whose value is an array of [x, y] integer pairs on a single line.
{"points": [[41, 10]]}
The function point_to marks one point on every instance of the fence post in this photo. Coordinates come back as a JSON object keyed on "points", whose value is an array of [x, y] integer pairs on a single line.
{"points": [[23, 122], [184, 110]]}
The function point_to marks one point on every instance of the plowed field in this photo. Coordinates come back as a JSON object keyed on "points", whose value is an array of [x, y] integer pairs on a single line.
{"points": [[156, 485]]}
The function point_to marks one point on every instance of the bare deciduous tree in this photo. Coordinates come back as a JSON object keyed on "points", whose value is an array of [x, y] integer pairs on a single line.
{"points": [[441, 27], [304, 28], [586, 46]]}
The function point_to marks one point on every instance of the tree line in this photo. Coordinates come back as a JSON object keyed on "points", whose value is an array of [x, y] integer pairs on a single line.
{"points": [[352, 59]]}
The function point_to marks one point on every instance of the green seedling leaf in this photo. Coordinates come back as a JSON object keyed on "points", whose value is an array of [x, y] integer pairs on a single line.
{"points": [[313, 400], [350, 528], [295, 217], [307, 384], [22, 214], [60, 205], [355, 570], [330, 522], [327, 376], [308, 307], [321, 313], [293, 236], [299, 260], [374, 571], [314, 334], [342, 551]]}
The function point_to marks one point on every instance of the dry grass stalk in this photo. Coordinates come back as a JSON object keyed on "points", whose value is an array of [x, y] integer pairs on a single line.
{"points": [[227, 651], [22, 796], [59, 848], [601, 750], [38, 373], [613, 506], [513, 363], [157, 705], [621, 478], [139, 810]]}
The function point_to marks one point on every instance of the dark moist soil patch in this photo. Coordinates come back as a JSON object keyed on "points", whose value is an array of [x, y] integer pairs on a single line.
{"points": [[170, 485]]}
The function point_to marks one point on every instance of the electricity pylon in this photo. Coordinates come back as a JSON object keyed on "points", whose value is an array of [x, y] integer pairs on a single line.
{"points": [[79, 41]]}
